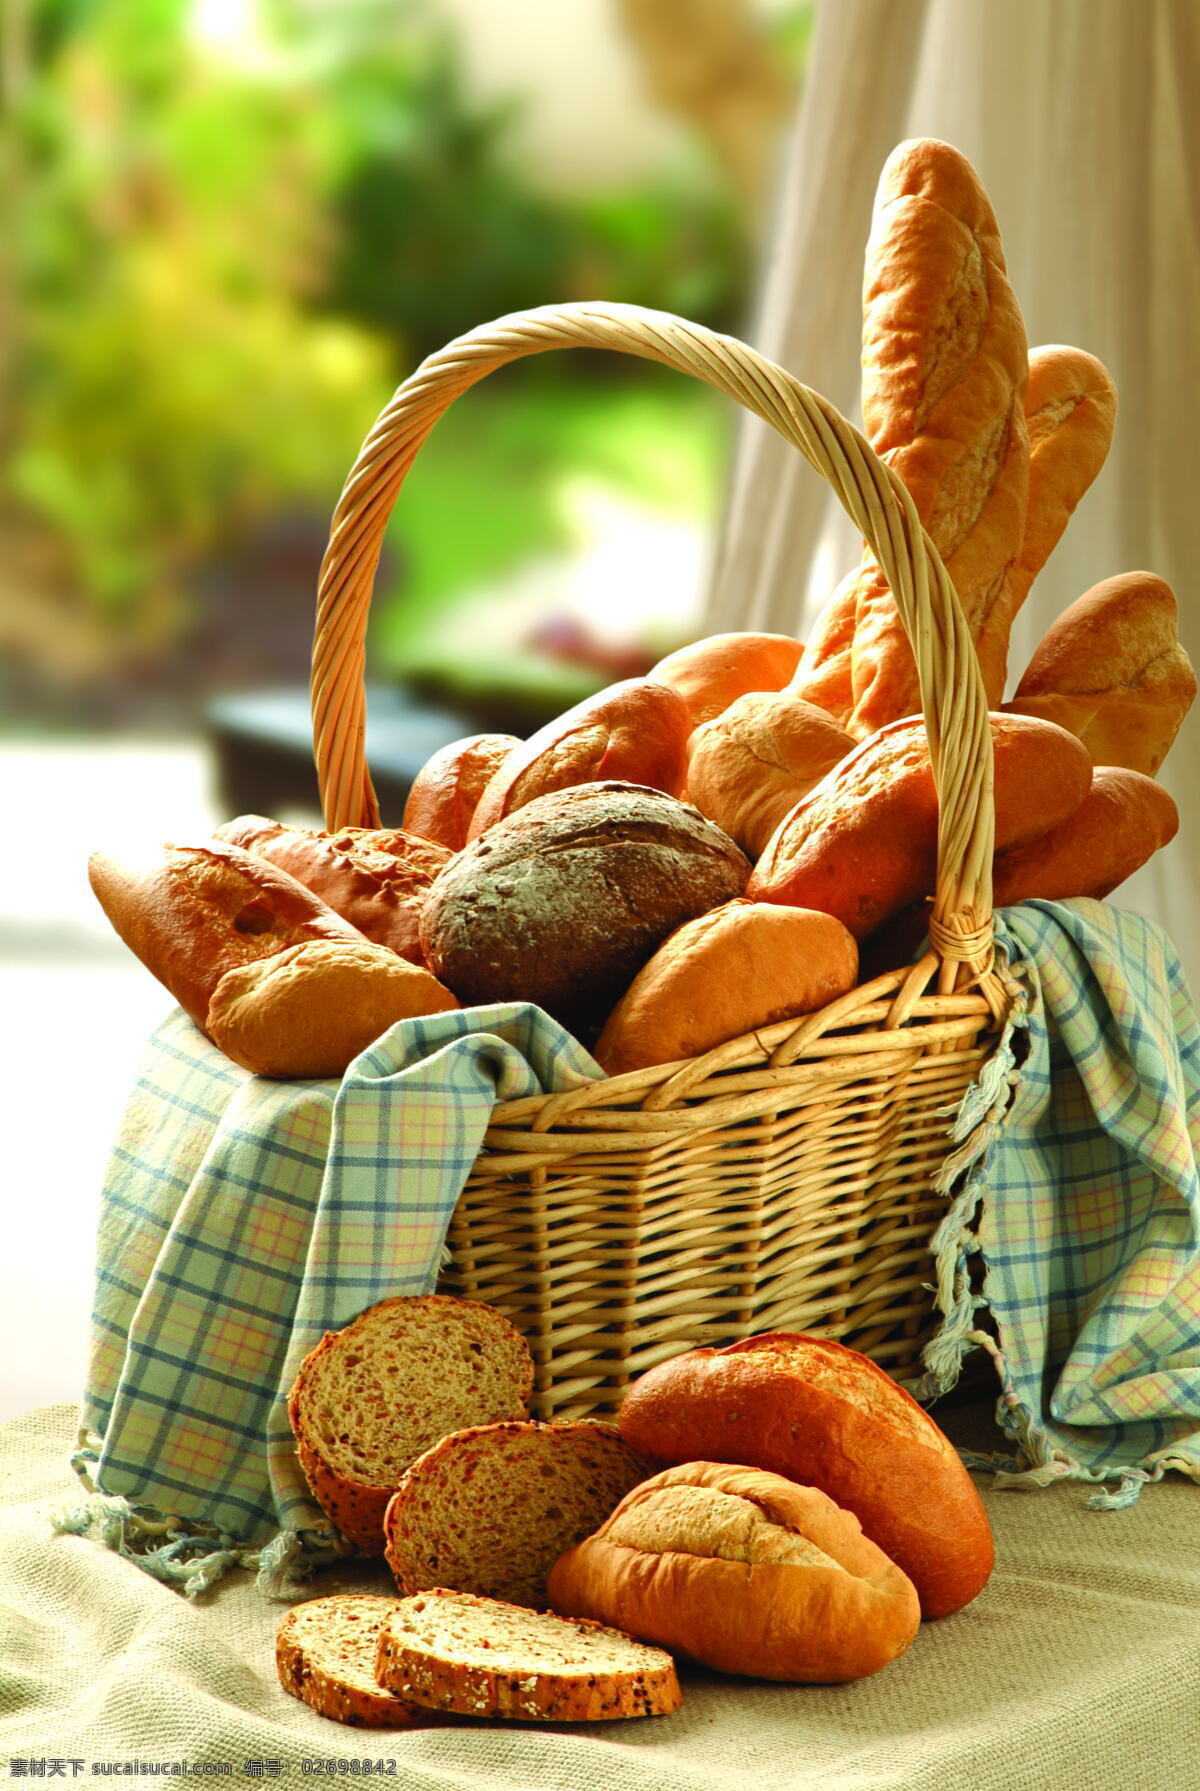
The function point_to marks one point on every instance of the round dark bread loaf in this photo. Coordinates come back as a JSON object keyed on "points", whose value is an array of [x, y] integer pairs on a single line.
{"points": [[563, 902]]}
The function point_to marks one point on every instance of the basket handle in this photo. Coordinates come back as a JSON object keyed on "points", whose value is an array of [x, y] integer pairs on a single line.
{"points": [[952, 693]]}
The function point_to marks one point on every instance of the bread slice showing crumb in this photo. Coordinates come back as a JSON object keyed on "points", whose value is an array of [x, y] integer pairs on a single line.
{"points": [[451, 1651], [372, 1397], [489, 1509], [325, 1652]]}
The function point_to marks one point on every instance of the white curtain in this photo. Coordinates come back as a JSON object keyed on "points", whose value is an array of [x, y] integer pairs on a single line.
{"points": [[1082, 118]]}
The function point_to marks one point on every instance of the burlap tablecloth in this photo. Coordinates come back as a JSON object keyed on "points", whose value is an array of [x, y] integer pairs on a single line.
{"points": [[1078, 1665]]}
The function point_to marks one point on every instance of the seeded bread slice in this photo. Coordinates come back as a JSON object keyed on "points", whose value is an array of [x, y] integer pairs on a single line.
{"points": [[325, 1652], [489, 1509], [372, 1397], [451, 1651]]}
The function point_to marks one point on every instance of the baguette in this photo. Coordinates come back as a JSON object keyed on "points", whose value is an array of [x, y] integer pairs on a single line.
{"points": [[863, 844], [1070, 410], [480, 1657], [945, 364], [826, 1416], [325, 1656], [743, 1571], [377, 878], [633, 732], [532, 1490], [372, 1397], [1112, 671]]}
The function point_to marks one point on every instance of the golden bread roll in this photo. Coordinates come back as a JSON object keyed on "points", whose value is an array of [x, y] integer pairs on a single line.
{"points": [[446, 791], [377, 878], [310, 1009], [563, 902], [1111, 671], [744, 1571], [824, 1415], [863, 844], [193, 912], [633, 732], [753, 762], [710, 674], [944, 372], [738, 967], [1122, 821]]}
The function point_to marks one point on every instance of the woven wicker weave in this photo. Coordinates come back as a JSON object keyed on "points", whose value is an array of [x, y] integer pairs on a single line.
{"points": [[783, 1180]]}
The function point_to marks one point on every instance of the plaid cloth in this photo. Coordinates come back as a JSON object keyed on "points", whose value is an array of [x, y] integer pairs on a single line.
{"points": [[243, 1218], [1085, 1205]]}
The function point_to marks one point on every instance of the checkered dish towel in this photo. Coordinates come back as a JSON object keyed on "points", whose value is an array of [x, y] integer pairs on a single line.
{"points": [[243, 1218]]}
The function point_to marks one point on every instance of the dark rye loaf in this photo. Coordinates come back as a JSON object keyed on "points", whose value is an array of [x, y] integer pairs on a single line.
{"points": [[563, 902]]}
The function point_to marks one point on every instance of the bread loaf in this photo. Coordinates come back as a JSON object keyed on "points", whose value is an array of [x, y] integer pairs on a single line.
{"points": [[311, 1009], [193, 912], [710, 674], [863, 844], [446, 791], [480, 1657], [377, 878], [372, 1397], [531, 1490], [826, 1416], [1070, 409], [633, 732], [743, 1571], [944, 373], [1111, 670], [750, 765], [739, 967], [1122, 822], [325, 1656], [563, 902]]}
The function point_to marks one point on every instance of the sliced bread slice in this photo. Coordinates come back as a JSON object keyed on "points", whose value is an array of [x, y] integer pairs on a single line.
{"points": [[372, 1397], [451, 1651], [325, 1652], [490, 1509]]}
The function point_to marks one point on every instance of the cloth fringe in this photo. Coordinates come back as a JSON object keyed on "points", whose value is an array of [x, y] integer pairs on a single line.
{"points": [[190, 1556]]}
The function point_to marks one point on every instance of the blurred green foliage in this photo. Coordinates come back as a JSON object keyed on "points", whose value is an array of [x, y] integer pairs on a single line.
{"points": [[217, 267]]}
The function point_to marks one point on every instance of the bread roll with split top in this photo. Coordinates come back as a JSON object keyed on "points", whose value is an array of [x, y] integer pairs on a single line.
{"points": [[710, 674], [825, 1416], [377, 878], [1111, 670], [752, 763], [446, 791], [862, 845], [743, 1571], [741, 966], [633, 732]]}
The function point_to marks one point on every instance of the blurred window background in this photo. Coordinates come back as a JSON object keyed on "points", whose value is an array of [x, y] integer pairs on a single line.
{"points": [[232, 227]]}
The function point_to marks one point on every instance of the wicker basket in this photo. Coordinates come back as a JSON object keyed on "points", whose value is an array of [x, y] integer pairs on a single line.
{"points": [[783, 1180]]}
